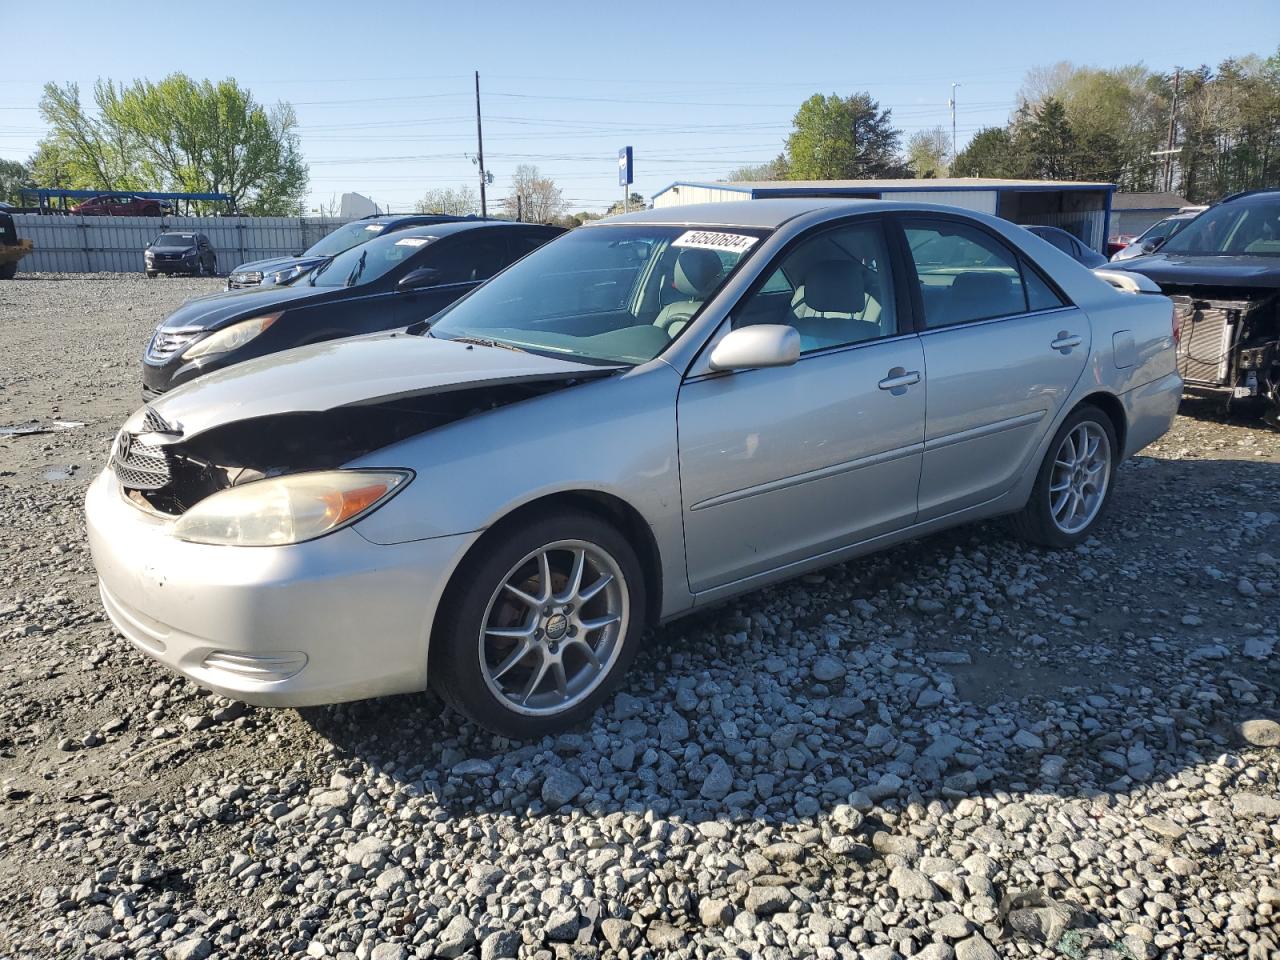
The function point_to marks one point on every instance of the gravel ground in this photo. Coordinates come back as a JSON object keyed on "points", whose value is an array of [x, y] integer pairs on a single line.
{"points": [[960, 748]]}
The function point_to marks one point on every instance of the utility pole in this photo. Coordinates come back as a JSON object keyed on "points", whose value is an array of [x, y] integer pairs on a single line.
{"points": [[484, 210], [1173, 114], [952, 104]]}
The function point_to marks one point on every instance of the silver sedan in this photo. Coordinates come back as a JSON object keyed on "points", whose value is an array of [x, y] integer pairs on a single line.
{"points": [[642, 417]]}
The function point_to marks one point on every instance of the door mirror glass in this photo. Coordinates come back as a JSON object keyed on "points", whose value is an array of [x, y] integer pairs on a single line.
{"points": [[1151, 244], [762, 345], [421, 277]]}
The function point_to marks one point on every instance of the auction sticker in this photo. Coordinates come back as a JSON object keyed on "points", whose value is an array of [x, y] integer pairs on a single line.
{"points": [[413, 241], [713, 240]]}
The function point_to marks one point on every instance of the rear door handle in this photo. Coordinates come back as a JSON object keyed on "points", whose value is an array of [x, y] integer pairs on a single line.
{"points": [[1066, 341], [899, 379]]}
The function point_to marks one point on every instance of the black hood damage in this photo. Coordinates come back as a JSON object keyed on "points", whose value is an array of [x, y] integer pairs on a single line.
{"points": [[167, 472]]}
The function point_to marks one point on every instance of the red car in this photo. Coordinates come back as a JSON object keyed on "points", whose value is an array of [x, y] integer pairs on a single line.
{"points": [[116, 206]]}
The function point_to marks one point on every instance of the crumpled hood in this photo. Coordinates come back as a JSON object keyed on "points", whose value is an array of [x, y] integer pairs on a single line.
{"points": [[348, 372], [214, 310], [278, 263], [1177, 269]]}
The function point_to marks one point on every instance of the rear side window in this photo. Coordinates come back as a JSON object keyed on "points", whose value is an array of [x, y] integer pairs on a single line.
{"points": [[1040, 296], [470, 259], [965, 274]]}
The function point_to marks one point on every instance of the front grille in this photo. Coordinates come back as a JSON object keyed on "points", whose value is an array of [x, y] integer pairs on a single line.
{"points": [[139, 465], [250, 278], [1207, 329], [165, 343]]}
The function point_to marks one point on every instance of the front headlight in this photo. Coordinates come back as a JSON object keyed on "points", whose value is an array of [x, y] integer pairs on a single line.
{"points": [[283, 276], [288, 509], [231, 338]]}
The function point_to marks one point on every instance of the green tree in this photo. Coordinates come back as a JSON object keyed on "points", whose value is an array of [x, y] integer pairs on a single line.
{"points": [[13, 175], [634, 202], [175, 134], [993, 152], [1049, 141], [843, 138], [929, 152], [775, 169]]}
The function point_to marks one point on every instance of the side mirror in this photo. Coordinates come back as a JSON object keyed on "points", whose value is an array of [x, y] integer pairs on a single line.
{"points": [[421, 277], [764, 345], [1151, 243]]}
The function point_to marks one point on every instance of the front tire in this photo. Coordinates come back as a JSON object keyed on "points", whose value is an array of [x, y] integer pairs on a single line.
{"points": [[539, 624], [1073, 487]]}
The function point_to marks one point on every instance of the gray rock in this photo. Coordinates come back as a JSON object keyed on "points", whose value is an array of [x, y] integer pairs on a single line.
{"points": [[192, 948], [826, 669], [1255, 805], [560, 787], [719, 780], [473, 767], [714, 912], [620, 934], [912, 884], [501, 945], [1260, 733], [458, 936], [663, 936], [563, 925], [389, 951], [976, 948], [765, 900], [625, 706]]}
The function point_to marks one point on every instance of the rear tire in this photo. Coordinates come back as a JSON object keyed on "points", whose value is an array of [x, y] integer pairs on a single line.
{"points": [[1073, 487], [526, 648], [8, 270]]}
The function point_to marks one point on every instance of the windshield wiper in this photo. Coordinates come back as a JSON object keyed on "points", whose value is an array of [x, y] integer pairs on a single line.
{"points": [[319, 270], [356, 270], [486, 342]]}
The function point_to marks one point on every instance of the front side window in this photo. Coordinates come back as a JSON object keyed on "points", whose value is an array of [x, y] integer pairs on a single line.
{"points": [[609, 294], [964, 274], [468, 259], [835, 289]]}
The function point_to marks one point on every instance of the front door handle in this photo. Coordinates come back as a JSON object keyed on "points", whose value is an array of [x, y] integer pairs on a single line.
{"points": [[1066, 341], [899, 379]]}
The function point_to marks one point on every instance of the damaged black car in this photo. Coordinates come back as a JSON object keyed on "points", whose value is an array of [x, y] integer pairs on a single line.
{"points": [[1223, 274]]}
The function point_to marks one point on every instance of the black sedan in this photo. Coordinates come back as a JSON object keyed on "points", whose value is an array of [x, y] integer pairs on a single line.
{"points": [[178, 251], [1072, 246], [391, 281]]}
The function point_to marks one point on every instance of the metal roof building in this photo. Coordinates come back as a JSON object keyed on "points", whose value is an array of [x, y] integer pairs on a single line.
{"points": [[1082, 209], [1132, 213]]}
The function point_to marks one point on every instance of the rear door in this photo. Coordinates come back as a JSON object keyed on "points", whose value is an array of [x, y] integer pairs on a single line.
{"points": [[1003, 349]]}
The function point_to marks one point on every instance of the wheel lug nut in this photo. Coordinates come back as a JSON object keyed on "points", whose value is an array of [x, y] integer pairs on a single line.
{"points": [[568, 608], [573, 631]]}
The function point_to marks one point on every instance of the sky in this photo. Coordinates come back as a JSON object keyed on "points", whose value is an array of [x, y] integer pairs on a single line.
{"points": [[385, 94]]}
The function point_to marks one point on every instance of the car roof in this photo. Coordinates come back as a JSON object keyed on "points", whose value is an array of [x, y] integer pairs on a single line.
{"points": [[450, 227], [423, 217]]}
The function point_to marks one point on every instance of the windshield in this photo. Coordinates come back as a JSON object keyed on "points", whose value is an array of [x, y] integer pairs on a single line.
{"points": [[1244, 228], [613, 294], [175, 239], [367, 262], [344, 238]]}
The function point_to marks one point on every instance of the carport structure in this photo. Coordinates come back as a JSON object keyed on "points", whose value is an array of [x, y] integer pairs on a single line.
{"points": [[1082, 209]]}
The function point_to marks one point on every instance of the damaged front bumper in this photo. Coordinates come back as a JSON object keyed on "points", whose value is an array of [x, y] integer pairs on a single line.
{"points": [[337, 618]]}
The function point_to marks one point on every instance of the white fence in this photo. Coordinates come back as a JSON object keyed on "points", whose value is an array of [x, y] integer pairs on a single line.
{"points": [[74, 244]]}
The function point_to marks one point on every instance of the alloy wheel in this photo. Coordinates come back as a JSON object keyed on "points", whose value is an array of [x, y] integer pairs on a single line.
{"points": [[1078, 481], [554, 627]]}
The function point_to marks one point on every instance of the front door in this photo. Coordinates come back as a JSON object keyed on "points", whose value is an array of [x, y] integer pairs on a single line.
{"points": [[1003, 351], [781, 465]]}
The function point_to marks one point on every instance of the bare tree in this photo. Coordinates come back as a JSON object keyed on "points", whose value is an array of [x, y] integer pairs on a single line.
{"points": [[537, 198], [454, 201], [929, 152]]}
